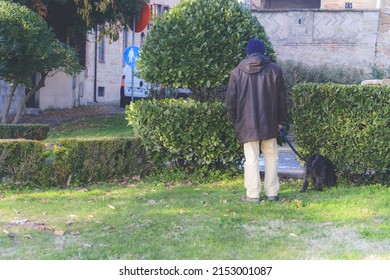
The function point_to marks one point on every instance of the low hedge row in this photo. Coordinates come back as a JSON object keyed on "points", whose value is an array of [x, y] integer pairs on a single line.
{"points": [[21, 161], [24, 131], [70, 161], [348, 123]]}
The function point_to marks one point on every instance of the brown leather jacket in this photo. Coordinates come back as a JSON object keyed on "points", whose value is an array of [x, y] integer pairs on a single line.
{"points": [[256, 99]]}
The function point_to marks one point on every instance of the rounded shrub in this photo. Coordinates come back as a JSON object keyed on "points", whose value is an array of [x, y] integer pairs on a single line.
{"points": [[186, 133], [197, 44]]}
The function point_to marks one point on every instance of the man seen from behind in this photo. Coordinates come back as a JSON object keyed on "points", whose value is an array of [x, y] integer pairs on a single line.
{"points": [[256, 104]]}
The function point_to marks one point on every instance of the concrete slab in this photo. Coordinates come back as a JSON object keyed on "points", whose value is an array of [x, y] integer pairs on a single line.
{"points": [[289, 165]]}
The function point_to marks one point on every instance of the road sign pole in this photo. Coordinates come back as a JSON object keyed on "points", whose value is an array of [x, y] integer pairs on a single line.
{"points": [[130, 56], [132, 68]]}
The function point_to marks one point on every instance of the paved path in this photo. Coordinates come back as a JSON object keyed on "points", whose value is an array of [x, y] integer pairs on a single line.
{"points": [[289, 165]]}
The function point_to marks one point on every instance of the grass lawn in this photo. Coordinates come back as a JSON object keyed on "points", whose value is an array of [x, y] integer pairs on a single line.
{"points": [[157, 220], [88, 127]]}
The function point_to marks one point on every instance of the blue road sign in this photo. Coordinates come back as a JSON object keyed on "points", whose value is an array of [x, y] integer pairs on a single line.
{"points": [[130, 55]]}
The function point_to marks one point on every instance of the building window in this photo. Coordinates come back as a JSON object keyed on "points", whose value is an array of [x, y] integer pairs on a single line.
{"points": [[125, 39], [101, 91], [157, 10], [101, 51]]}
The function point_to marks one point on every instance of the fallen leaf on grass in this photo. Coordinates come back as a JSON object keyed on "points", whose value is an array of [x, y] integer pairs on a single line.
{"points": [[109, 227], [178, 227], [58, 233], [43, 227], [297, 203]]}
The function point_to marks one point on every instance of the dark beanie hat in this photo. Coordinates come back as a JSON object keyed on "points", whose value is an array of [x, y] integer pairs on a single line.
{"points": [[255, 46]]}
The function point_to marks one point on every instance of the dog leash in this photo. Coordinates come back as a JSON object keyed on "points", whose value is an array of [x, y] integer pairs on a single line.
{"points": [[281, 132]]}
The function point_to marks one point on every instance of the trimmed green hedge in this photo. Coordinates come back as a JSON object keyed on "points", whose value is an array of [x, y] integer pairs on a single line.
{"points": [[88, 160], [348, 123], [186, 133], [24, 131], [70, 161], [21, 161]]}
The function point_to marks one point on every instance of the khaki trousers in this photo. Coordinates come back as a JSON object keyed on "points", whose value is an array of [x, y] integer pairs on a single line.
{"points": [[252, 179]]}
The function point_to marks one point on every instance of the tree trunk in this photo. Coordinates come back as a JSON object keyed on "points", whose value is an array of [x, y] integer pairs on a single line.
{"points": [[10, 94], [22, 105]]}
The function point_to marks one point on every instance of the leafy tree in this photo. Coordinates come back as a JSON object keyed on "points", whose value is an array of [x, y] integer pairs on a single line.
{"points": [[28, 46], [198, 44], [71, 19]]}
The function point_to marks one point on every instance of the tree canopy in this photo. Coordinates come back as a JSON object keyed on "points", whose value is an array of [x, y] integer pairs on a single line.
{"points": [[28, 46], [198, 44], [71, 19]]}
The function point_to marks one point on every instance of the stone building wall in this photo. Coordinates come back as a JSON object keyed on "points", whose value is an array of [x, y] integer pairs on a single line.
{"points": [[382, 56], [356, 4], [337, 37], [109, 71], [324, 4], [4, 89]]}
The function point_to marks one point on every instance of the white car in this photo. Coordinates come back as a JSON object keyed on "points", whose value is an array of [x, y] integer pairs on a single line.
{"points": [[141, 88]]}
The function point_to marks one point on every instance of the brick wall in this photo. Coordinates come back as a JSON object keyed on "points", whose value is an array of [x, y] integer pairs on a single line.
{"points": [[356, 4], [383, 41], [343, 37], [328, 4]]}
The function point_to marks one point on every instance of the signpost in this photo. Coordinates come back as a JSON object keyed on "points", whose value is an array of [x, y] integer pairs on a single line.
{"points": [[143, 21], [131, 54]]}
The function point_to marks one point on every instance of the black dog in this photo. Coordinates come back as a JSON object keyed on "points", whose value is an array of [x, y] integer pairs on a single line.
{"points": [[321, 171]]}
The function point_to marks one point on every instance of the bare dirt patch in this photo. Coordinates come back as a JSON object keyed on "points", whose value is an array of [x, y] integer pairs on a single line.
{"points": [[56, 117]]}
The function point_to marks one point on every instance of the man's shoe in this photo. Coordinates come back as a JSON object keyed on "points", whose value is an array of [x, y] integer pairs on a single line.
{"points": [[249, 199], [273, 198]]}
